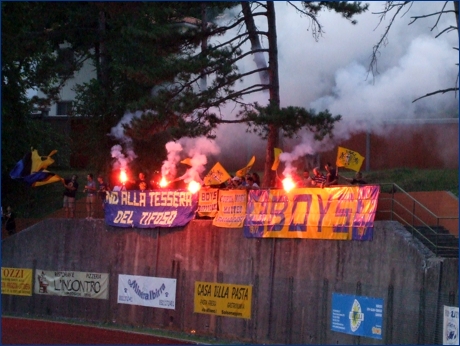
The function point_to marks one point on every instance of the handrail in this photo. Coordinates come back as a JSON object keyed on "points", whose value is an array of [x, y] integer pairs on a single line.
{"points": [[414, 218]]}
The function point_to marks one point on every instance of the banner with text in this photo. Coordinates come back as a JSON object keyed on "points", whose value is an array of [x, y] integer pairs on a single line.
{"points": [[150, 209], [223, 299], [207, 202], [232, 209], [72, 284], [17, 281], [147, 291], [340, 213], [357, 315]]}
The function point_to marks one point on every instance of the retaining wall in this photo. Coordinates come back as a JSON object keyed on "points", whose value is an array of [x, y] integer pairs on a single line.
{"points": [[293, 279]]}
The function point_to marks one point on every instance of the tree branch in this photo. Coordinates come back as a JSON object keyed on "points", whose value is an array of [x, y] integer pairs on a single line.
{"points": [[316, 24], [437, 92]]}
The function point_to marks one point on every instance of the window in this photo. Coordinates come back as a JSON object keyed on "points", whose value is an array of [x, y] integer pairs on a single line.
{"points": [[64, 108], [65, 62]]}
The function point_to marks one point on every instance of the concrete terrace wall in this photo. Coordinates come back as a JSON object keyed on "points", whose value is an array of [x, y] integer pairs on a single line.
{"points": [[293, 279]]}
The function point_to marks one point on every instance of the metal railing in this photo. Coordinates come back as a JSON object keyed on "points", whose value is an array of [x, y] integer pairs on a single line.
{"points": [[406, 213]]}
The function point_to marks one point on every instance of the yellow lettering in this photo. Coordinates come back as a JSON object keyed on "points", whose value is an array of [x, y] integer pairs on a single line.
{"points": [[124, 197], [142, 198], [118, 217]]}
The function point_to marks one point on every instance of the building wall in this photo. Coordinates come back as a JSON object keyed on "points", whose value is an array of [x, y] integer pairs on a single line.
{"points": [[293, 279], [424, 144]]}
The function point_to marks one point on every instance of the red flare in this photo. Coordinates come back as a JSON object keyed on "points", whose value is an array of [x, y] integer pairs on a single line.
{"points": [[123, 177], [288, 184], [194, 187]]}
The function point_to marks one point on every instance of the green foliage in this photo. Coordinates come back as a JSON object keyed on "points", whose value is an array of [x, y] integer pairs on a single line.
{"points": [[289, 119], [345, 8], [137, 48]]}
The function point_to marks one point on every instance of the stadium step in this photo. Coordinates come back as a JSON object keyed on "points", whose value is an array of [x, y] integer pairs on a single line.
{"points": [[437, 239]]}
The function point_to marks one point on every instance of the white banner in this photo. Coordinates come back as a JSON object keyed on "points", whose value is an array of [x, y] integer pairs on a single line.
{"points": [[147, 291], [72, 284], [450, 326]]}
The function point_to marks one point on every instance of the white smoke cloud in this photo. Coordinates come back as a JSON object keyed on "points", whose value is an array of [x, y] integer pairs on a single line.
{"points": [[169, 168], [121, 160], [195, 149], [333, 73]]}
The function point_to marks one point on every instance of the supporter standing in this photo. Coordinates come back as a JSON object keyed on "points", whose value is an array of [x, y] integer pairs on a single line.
{"points": [[10, 223], [70, 192], [90, 189], [358, 179], [251, 185], [331, 176], [236, 183], [318, 179], [256, 178], [141, 183], [103, 188], [306, 180]]}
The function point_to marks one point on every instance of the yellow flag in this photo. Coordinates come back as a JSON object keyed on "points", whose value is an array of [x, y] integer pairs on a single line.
{"points": [[349, 159], [47, 179], [187, 161], [217, 175], [243, 171], [38, 163], [276, 162]]}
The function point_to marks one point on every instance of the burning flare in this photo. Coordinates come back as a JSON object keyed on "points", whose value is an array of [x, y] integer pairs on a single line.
{"points": [[123, 177], [163, 182], [288, 184], [194, 187]]}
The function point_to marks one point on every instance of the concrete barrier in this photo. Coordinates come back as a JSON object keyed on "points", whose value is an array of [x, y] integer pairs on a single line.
{"points": [[293, 279]]}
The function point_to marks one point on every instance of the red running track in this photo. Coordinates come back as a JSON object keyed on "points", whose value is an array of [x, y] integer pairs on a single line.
{"points": [[17, 331]]}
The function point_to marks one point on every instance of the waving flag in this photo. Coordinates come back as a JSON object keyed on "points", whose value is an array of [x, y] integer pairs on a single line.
{"points": [[217, 175], [32, 169], [41, 178], [276, 162], [243, 171], [187, 161], [349, 159]]}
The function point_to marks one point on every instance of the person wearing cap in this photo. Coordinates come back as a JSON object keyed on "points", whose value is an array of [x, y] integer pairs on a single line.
{"points": [[236, 183]]}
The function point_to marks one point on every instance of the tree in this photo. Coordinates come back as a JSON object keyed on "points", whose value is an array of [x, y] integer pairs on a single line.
{"points": [[402, 7], [192, 108], [138, 47], [28, 61]]}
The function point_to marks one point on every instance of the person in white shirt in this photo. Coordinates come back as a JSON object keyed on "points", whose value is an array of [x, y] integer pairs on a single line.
{"points": [[251, 185]]}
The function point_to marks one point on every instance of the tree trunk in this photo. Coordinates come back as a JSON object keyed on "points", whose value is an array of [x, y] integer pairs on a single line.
{"points": [[456, 13], [259, 57], [102, 51], [273, 135], [204, 43]]}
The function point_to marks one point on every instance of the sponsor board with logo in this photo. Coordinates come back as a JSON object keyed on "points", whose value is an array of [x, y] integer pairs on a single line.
{"points": [[72, 284], [223, 299], [147, 291], [357, 315], [450, 326], [17, 281]]}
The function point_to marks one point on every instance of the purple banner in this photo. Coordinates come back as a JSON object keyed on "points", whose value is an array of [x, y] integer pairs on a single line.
{"points": [[150, 209]]}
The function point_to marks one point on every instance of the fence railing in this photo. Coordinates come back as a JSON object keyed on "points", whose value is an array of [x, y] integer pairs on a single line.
{"points": [[398, 205]]}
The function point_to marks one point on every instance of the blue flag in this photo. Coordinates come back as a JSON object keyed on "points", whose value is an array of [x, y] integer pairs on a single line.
{"points": [[32, 169]]}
